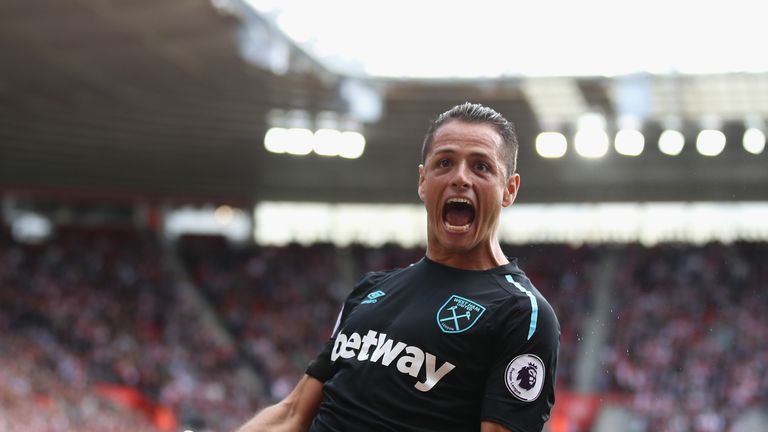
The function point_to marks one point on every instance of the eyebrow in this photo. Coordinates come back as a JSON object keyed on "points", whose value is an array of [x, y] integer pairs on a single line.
{"points": [[453, 151]]}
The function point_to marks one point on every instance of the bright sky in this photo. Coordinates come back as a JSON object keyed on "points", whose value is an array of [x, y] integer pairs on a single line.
{"points": [[484, 38]]}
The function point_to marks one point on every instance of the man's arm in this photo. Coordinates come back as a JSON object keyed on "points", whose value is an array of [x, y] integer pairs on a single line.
{"points": [[294, 413], [487, 426], [492, 427]]}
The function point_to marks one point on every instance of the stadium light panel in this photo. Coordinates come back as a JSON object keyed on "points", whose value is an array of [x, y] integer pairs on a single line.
{"points": [[754, 140], [300, 141], [275, 140], [710, 142], [352, 145], [551, 145], [671, 142], [591, 143], [327, 142], [629, 142]]}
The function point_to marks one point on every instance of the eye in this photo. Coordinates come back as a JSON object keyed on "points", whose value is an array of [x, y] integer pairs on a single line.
{"points": [[443, 163], [482, 167]]}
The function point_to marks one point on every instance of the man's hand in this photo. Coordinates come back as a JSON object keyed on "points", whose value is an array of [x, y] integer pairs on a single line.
{"points": [[292, 414]]}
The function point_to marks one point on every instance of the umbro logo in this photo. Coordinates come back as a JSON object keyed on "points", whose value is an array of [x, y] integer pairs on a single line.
{"points": [[373, 297]]}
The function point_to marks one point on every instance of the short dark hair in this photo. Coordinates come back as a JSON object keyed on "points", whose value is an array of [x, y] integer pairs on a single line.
{"points": [[476, 113]]}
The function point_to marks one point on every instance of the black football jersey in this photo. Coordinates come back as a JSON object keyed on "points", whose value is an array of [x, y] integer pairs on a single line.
{"points": [[435, 348]]}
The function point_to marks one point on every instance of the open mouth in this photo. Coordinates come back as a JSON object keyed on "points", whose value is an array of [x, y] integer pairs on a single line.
{"points": [[458, 214]]}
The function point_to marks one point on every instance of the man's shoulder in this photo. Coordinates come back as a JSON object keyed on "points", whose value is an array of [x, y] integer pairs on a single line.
{"points": [[524, 299], [374, 278], [519, 286]]}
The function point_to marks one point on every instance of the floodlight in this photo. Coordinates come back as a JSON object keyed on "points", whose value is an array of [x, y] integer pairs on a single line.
{"points": [[276, 139], [754, 140], [629, 142], [327, 142], [591, 143], [299, 141], [671, 142], [352, 145], [551, 145], [710, 142]]}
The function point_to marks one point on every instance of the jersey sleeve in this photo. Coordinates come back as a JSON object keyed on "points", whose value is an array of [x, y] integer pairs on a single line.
{"points": [[520, 385], [320, 367]]}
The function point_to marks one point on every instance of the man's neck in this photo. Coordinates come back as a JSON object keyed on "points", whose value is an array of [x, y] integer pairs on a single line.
{"points": [[480, 258]]}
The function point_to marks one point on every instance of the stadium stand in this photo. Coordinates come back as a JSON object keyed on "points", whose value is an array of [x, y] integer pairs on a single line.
{"points": [[689, 339], [41, 393], [278, 303], [116, 115], [95, 312], [99, 332]]}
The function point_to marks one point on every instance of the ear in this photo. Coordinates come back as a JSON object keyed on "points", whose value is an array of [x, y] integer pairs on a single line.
{"points": [[421, 182], [510, 191]]}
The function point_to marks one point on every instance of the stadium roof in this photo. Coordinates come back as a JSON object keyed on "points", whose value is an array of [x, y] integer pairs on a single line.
{"points": [[171, 100]]}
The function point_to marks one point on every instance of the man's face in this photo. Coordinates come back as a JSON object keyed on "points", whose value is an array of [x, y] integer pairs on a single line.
{"points": [[464, 185]]}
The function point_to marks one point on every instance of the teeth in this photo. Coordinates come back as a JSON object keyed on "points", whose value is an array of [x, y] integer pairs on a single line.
{"points": [[457, 229], [459, 200]]}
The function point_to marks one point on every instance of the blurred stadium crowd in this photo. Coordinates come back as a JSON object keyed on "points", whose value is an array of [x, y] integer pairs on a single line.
{"points": [[689, 341], [100, 329]]}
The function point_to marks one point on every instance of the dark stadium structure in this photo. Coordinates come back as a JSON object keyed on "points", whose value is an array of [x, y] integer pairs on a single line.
{"points": [[152, 99], [113, 112]]}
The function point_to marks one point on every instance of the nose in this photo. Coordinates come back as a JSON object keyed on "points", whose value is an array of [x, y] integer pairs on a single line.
{"points": [[461, 178]]}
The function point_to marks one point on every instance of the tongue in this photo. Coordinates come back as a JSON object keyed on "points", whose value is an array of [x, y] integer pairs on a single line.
{"points": [[459, 217]]}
